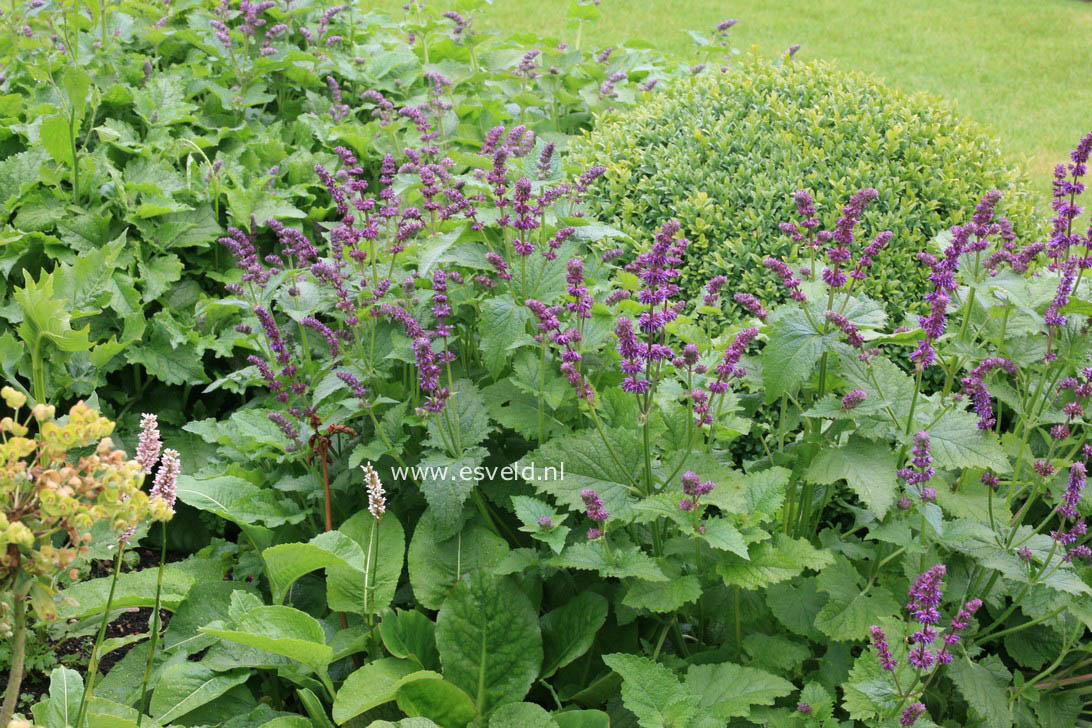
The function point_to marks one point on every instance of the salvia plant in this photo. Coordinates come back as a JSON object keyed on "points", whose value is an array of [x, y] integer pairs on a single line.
{"points": [[557, 431], [464, 456]]}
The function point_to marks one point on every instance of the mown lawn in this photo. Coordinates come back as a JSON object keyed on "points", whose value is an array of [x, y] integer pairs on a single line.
{"points": [[1018, 66]]}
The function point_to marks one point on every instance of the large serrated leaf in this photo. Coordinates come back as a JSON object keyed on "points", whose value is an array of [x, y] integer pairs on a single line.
{"points": [[729, 690], [868, 467]]}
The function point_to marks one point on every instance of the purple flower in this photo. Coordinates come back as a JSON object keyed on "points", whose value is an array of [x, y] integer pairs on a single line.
{"points": [[545, 523], [853, 398], [925, 596], [790, 281], [912, 713], [921, 471], [325, 331], [803, 708], [843, 323], [593, 506], [752, 304], [974, 387], [1072, 496], [353, 383], [883, 650]]}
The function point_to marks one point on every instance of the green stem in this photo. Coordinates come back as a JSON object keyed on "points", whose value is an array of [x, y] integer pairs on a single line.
{"points": [[144, 697], [18, 659], [93, 662]]}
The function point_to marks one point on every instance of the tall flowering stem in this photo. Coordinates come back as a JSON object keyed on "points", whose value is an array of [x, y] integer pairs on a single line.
{"points": [[162, 502]]}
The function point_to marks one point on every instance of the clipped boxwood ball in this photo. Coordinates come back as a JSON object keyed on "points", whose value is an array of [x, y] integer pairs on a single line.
{"points": [[724, 151]]}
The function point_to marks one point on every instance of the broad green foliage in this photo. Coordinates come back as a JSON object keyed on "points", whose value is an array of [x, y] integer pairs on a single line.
{"points": [[446, 464], [756, 133]]}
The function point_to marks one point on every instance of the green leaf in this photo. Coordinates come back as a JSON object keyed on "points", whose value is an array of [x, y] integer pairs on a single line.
{"points": [[793, 349], [434, 248], [850, 611], [368, 586], [45, 317], [235, 500], [608, 468], [729, 690], [314, 708], [663, 596], [137, 588], [370, 686], [795, 605], [776, 653], [530, 510], [489, 640], [283, 631], [466, 407], [445, 488], [438, 700], [984, 684], [186, 686], [569, 631], [65, 694], [436, 565], [76, 84], [1058, 710], [652, 692], [56, 138], [956, 442], [285, 563], [103, 713], [582, 719], [521, 715], [868, 468], [772, 562], [503, 322], [619, 563], [205, 603], [720, 534], [410, 635], [158, 274]]}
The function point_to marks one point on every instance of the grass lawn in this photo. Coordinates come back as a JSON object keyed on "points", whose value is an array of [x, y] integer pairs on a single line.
{"points": [[1018, 66]]}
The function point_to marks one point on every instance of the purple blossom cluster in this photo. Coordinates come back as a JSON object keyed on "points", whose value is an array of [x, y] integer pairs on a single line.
{"points": [[924, 608], [1073, 528], [973, 237], [921, 469], [693, 488], [595, 511], [642, 360], [975, 388], [853, 399], [1068, 185], [838, 243]]}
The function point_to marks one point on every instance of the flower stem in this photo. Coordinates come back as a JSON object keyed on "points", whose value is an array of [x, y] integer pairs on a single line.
{"points": [[146, 699], [18, 659], [93, 661]]}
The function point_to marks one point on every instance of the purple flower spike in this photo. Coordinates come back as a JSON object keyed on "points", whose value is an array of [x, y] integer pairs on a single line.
{"points": [[912, 713], [1072, 496], [883, 650], [753, 305], [593, 505], [853, 398], [925, 595]]}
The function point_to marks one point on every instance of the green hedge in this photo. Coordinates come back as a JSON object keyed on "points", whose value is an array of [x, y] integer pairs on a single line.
{"points": [[724, 152]]}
